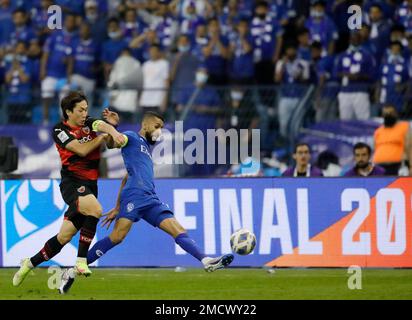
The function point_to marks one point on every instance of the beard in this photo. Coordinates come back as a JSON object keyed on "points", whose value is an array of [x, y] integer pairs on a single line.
{"points": [[149, 138], [362, 165]]}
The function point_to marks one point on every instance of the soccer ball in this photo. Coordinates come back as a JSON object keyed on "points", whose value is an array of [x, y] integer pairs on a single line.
{"points": [[242, 241]]}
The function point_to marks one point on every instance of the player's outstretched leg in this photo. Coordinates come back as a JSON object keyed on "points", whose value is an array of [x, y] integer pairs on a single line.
{"points": [[173, 227], [119, 232], [51, 248]]}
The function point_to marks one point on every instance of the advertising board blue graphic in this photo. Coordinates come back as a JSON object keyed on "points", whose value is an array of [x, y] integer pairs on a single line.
{"points": [[284, 213]]}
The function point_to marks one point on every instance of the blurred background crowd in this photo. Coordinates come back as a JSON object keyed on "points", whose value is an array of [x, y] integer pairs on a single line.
{"points": [[274, 65]]}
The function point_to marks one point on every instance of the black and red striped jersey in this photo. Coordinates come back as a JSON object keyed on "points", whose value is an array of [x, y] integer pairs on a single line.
{"points": [[84, 168]]}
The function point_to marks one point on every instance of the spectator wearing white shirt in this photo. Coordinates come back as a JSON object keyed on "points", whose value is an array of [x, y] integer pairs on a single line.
{"points": [[124, 83], [155, 81]]}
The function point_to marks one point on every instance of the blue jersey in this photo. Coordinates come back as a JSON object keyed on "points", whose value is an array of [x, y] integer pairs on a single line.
{"points": [[404, 17], [323, 31], [355, 61], [59, 46], [242, 65], [25, 34], [85, 58], [265, 33], [139, 165], [6, 22], [19, 92], [112, 50], [165, 29]]}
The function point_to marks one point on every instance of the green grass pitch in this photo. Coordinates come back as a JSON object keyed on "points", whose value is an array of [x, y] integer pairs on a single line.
{"points": [[228, 284]]}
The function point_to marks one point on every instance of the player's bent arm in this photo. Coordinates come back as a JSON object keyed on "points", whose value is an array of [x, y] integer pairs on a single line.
{"points": [[83, 149], [101, 126]]}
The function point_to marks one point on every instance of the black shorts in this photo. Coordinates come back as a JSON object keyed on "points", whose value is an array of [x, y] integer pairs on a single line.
{"points": [[71, 189]]}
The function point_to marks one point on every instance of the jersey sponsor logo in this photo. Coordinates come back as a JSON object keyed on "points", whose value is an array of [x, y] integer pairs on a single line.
{"points": [[81, 189], [86, 130], [85, 139], [144, 150], [130, 207], [63, 137]]}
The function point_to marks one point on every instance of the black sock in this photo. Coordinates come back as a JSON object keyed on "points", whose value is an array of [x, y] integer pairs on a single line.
{"points": [[87, 233], [50, 249]]}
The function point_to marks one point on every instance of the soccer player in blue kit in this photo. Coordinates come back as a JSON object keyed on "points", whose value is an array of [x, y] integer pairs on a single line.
{"points": [[137, 199]]}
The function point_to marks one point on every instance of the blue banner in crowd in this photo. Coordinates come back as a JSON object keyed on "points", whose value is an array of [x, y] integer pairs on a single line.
{"points": [[291, 218], [338, 137]]}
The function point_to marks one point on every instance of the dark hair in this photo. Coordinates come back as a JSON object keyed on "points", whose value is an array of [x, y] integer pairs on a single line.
{"points": [[301, 144], [153, 114], [398, 27], [70, 101], [325, 158], [262, 3], [361, 145], [388, 105], [316, 45], [113, 19], [21, 42], [156, 45], [376, 5], [318, 2], [20, 10], [302, 31], [396, 43]]}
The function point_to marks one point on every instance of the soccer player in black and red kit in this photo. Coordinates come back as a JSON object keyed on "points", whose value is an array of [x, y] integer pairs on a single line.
{"points": [[79, 148]]}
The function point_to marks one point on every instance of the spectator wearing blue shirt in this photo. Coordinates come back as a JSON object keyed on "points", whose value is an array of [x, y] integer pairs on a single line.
{"points": [[403, 15], [229, 18], [40, 19], [321, 27], [18, 72], [367, 43], [21, 31], [165, 26], [393, 78], [355, 69], [291, 72], [278, 10], [184, 65], [6, 22], [388, 7], [55, 61], [327, 87], [189, 22], [132, 26], [70, 6], [203, 114], [241, 52], [304, 49], [85, 61], [141, 44], [267, 35], [200, 39], [215, 54], [97, 20], [379, 30], [398, 33], [113, 46]]}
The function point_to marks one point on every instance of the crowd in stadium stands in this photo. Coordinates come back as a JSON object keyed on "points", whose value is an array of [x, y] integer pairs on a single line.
{"points": [[181, 45]]}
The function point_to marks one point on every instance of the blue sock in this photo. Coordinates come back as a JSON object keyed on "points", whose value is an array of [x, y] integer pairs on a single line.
{"points": [[99, 249], [189, 245]]}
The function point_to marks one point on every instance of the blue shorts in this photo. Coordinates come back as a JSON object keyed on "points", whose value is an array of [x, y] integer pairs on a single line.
{"points": [[154, 212]]}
